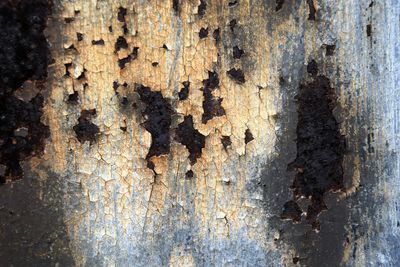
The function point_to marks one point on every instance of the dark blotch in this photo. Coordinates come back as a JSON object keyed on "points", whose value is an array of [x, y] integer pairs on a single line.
{"points": [[216, 35], [279, 4], [232, 3], [291, 211], [203, 33], [313, 11], [79, 36], [312, 68], [121, 14], [201, 9], [69, 20], [237, 52], [237, 75], [211, 107], [320, 147], [120, 44], [85, 130], [369, 30], [189, 174], [330, 50], [226, 141], [24, 55], [132, 56], [188, 136], [248, 136], [184, 92], [73, 98], [125, 29], [98, 42], [158, 114], [232, 24], [176, 6]]}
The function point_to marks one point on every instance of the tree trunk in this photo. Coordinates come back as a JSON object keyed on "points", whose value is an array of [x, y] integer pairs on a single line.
{"points": [[206, 133]]}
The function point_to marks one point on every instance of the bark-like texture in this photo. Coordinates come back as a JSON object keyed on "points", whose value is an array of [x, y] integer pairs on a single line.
{"points": [[180, 136]]}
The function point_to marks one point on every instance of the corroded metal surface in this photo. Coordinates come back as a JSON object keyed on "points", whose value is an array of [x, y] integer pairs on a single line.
{"points": [[179, 130]]}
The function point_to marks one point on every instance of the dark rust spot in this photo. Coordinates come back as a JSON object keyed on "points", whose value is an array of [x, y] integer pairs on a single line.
{"points": [[279, 4], [233, 3], [203, 33], [132, 56], [312, 68], [237, 52], [158, 114], [248, 136], [369, 30], [189, 174], [291, 211], [313, 11], [211, 107], [73, 98], [226, 141], [201, 9], [121, 44], [24, 56], [98, 42], [232, 24], [320, 146], [121, 14], [85, 130], [176, 6], [330, 50], [79, 36], [237, 75], [216, 35], [184, 92], [188, 136], [69, 20]]}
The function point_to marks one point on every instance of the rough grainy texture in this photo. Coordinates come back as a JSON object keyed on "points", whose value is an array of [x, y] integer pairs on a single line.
{"points": [[199, 136], [23, 66]]}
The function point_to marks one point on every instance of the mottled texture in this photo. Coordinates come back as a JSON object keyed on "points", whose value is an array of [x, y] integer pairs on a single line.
{"points": [[112, 205]]}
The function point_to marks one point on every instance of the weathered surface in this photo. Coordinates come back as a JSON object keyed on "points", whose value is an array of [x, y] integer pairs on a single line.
{"points": [[196, 153]]}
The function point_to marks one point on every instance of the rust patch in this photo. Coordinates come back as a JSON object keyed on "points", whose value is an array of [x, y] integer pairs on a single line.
{"points": [[320, 148], [212, 107], [201, 9], [279, 4], [85, 130], [158, 114], [313, 11], [192, 139], [184, 92], [237, 75], [24, 56]]}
